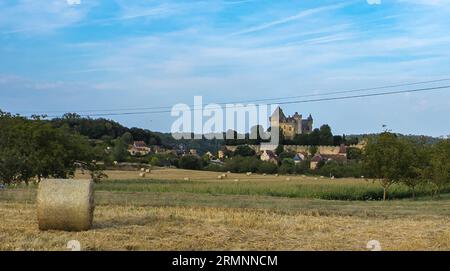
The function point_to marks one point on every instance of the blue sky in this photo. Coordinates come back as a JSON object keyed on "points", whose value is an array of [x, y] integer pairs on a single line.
{"points": [[114, 54]]}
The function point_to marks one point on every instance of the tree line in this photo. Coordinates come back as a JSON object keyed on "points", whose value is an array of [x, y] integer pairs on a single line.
{"points": [[35, 149], [391, 159], [322, 136]]}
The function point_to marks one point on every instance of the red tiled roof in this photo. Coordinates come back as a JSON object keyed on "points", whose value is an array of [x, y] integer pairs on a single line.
{"points": [[139, 144], [317, 158]]}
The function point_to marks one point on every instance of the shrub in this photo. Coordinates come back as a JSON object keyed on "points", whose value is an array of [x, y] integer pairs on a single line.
{"points": [[267, 167], [242, 164], [190, 162], [214, 167], [287, 166], [244, 150], [341, 170]]}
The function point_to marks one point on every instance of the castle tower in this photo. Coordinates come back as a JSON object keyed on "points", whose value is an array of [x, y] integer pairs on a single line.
{"points": [[310, 122], [298, 123]]}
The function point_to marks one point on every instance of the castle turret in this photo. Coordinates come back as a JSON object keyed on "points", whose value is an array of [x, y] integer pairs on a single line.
{"points": [[310, 122]]}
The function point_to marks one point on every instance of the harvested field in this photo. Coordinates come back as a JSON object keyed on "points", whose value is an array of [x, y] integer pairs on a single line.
{"points": [[164, 212]]}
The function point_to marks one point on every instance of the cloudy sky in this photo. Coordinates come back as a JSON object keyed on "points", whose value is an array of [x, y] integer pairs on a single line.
{"points": [[87, 55]]}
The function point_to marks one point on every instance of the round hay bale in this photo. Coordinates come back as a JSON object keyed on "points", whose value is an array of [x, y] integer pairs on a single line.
{"points": [[249, 173], [186, 179], [65, 204], [236, 180], [147, 170], [142, 174], [264, 174], [115, 163], [288, 179], [220, 177], [276, 175], [228, 172], [142, 169]]}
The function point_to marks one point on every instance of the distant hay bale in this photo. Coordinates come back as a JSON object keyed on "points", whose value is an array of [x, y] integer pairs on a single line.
{"points": [[276, 175], [142, 174], [220, 177], [224, 175], [142, 169], [65, 204], [332, 177], [147, 170], [288, 179], [228, 172], [264, 174], [115, 163], [249, 173], [236, 180], [186, 179]]}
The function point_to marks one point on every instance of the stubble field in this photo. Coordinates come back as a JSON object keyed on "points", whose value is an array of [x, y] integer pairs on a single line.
{"points": [[165, 212]]}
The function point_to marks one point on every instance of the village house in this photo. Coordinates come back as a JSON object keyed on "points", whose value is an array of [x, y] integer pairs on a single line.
{"points": [[299, 157], [269, 156], [139, 148], [315, 160], [340, 157]]}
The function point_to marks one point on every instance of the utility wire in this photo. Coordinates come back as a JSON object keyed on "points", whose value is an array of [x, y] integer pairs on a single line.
{"points": [[109, 111], [280, 103]]}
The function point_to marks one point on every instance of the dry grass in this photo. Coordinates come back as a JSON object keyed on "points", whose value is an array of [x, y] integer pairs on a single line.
{"points": [[141, 218], [204, 228]]}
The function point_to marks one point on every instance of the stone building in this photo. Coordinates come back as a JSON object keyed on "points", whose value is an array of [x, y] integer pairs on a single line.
{"points": [[291, 125]]}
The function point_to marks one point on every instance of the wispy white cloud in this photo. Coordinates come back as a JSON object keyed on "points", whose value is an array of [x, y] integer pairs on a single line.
{"points": [[323, 48], [440, 3], [39, 16], [302, 14]]}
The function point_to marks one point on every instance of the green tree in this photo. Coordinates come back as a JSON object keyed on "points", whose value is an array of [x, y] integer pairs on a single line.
{"points": [[325, 135], [34, 148], [313, 150], [120, 150], [414, 157], [190, 162], [437, 169], [244, 151], [127, 137], [354, 154], [383, 160], [279, 149], [267, 167], [154, 161], [287, 166], [314, 137]]}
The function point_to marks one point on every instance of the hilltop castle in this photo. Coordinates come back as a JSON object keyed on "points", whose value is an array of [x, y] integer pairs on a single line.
{"points": [[291, 125]]}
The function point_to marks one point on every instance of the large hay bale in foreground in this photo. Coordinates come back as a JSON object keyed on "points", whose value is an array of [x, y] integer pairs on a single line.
{"points": [[65, 204]]}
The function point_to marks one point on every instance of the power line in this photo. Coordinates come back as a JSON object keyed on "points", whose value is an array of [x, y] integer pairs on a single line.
{"points": [[253, 101], [287, 102]]}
